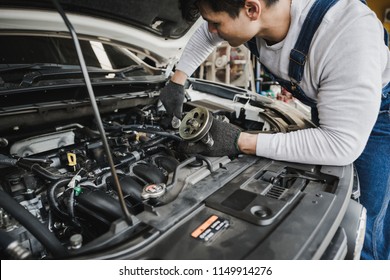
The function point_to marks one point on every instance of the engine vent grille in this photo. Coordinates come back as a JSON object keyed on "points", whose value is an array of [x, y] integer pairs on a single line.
{"points": [[276, 192]]}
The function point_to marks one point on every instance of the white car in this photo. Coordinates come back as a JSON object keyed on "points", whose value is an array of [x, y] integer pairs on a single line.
{"points": [[69, 122]]}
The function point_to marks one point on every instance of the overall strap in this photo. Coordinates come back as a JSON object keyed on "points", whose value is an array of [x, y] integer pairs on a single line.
{"points": [[252, 46], [299, 53]]}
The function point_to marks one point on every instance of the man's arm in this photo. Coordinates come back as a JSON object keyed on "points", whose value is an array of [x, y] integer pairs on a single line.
{"points": [[247, 143], [198, 48], [348, 70], [179, 77]]}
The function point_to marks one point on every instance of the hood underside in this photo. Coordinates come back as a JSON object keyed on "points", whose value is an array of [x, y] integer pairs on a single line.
{"points": [[162, 17], [155, 27]]}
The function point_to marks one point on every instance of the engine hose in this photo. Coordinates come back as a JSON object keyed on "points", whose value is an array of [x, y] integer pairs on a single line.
{"points": [[156, 148], [39, 170], [7, 161], [5, 240], [45, 173], [156, 141], [33, 225], [71, 205], [206, 160], [38, 160], [51, 195], [146, 127], [152, 130], [12, 247]]}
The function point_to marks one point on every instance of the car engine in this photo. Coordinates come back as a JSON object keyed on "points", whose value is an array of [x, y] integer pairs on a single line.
{"points": [[63, 180]]}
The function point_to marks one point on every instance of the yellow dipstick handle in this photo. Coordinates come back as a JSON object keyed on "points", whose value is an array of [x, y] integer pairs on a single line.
{"points": [[72, 160]]}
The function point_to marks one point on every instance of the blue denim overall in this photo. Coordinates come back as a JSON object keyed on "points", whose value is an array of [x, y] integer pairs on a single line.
{"points": [[373, 165]]}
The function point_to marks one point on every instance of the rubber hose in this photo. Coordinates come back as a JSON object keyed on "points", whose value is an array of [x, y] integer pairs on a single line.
{"points": [[40, 171], [51, 195], [45, 173], [33, 225], [4, 160], [5, 240], [153, 131]]}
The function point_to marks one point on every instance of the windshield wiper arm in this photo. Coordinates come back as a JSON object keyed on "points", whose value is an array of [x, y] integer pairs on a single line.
{"points": [[121, 72], [29, 78], [13, 67]]}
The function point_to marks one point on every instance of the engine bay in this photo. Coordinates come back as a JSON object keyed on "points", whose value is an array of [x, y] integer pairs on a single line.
{"points": [[64, 181], [59, 198]]}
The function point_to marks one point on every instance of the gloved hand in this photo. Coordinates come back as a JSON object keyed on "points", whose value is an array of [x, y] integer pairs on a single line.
{"points": [[172, 97], [225, 137]]}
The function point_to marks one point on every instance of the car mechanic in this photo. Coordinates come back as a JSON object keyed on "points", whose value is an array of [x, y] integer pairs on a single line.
{"points": [[332, 56]]}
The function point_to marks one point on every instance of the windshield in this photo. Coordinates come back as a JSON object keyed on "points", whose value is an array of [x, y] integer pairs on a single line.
{"points": [[55, 58], [55, 50]]}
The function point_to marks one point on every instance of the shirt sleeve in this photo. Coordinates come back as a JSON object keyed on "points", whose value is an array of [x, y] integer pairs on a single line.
{"points": [[198, 48], [349, 68]]}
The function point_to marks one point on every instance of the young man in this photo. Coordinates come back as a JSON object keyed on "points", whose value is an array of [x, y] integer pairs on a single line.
{"points": [[336, 62]]}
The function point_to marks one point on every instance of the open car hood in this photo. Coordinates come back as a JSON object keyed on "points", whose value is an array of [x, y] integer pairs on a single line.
{"points": [[155, 25]]}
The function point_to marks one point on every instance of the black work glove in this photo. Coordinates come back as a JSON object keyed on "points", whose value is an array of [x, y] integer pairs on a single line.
{"points": [[225, 137], [172, 97]]}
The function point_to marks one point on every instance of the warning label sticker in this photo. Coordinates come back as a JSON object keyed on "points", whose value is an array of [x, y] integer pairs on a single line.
{"points": [[210, 228]]}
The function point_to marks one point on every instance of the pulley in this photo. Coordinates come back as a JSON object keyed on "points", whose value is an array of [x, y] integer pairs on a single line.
{"points": [[195, 126]]}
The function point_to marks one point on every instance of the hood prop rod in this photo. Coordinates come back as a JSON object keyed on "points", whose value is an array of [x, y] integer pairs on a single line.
{"points": [[95, 110]]}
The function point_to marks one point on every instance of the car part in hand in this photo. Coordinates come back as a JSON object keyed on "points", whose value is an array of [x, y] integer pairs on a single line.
{"points": [[196, 125], [207, 135]]}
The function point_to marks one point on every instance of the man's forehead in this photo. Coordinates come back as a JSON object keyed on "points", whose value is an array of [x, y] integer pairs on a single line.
{"points": [[207, 12]]}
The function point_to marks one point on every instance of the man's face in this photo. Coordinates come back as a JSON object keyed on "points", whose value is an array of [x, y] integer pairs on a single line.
{"points": [[235, 31]]}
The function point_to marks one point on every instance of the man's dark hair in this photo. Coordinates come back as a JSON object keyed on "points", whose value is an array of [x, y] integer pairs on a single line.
{"points": [[190, 8]]}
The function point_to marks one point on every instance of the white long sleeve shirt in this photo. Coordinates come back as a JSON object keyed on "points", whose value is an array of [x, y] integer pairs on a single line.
{"points": [[347, 66]]}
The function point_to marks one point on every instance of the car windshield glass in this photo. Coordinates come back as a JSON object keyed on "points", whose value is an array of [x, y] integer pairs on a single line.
{"points": [[27, 60], [58, 50]]}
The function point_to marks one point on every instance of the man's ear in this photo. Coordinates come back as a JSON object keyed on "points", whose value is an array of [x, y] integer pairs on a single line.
{"points": [[253, 9]]}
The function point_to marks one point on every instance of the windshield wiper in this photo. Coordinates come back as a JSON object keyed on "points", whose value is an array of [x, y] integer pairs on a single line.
{"points": [[14, 67], [49, 66], [44, 71], [121, 72]]}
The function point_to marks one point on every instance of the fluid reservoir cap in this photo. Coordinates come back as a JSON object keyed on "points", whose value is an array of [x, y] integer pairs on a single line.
{"points": [[76, 240], [153, 191]]}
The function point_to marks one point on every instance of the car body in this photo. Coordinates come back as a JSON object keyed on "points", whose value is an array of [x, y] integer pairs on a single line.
{"points": [[59, 198]]}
